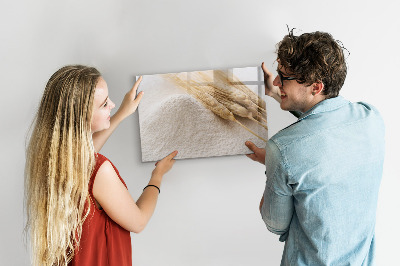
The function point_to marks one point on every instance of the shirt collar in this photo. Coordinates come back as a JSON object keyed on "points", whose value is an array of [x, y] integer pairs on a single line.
{"points": [[325, 106]]}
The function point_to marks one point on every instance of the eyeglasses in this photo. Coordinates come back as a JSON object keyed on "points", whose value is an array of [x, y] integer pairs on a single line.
{"points": [[282, 78]]}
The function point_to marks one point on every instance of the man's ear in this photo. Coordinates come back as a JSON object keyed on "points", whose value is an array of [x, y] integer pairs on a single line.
{"points": [[317, 88]]}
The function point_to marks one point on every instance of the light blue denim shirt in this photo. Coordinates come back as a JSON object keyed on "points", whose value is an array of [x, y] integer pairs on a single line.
{"points": [[323, 176]]}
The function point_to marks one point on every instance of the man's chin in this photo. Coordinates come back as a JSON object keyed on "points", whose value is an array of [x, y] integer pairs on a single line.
{"points": [[285, 108]]}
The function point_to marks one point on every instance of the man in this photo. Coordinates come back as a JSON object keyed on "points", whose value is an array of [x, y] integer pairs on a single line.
{"points": [[323, 171]]}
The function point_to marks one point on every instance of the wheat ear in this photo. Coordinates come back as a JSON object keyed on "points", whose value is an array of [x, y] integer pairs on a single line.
{"points": [[229, 98], [221, 76], [209, 101], [216, 107], [221, 89], [238, 109]]}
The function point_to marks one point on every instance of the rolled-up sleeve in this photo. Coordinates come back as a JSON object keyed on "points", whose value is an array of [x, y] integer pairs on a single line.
{"points": [[277, 209]]}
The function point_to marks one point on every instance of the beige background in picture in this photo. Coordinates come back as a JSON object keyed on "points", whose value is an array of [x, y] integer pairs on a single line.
{"points": [[171, 119]]}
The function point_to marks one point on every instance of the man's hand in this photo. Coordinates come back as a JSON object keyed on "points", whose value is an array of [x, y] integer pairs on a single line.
{"points": [[270, 89], [258, 155]]}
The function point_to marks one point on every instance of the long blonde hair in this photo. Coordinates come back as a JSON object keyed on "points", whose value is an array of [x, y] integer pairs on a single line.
{"points": [[59, 161]]}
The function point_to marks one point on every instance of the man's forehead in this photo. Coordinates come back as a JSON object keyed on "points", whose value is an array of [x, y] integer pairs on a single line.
{"points": [[282, 69]]}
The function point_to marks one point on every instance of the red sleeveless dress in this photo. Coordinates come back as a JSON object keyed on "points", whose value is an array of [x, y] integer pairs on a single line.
{"points": [[103, 241]]}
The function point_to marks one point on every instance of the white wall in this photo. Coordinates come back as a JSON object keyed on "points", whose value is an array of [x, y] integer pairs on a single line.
{"points": [[208, 208]]}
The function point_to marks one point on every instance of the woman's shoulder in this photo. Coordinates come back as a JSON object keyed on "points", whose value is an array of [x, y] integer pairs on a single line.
{"points": [[99, 161], [100, 158], [102, 165], [105, 167]]}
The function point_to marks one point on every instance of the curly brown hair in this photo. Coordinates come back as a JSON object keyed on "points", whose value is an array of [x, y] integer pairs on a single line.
{"points": [[314, 57]]}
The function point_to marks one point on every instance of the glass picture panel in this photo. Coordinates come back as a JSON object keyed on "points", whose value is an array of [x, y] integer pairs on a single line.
{"points": [[202, 113]]}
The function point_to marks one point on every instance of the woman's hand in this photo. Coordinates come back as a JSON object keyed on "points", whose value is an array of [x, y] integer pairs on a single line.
{"points": [[128, 107], [270, 89], [131, 101], [164, 165]]}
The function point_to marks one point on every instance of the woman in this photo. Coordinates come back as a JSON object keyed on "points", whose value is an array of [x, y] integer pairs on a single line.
{"points": [[78, 207]]}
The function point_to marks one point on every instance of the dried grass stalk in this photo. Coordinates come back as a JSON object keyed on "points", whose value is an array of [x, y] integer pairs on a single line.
{"points": [[224, 100], [239, 86], [239, 110]]}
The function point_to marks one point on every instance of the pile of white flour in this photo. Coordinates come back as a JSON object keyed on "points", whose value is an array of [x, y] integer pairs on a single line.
{"points": [[179, 122]]}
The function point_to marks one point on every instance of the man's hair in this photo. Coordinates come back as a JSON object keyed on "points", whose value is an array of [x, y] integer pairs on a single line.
{"points": [[314, 57]]}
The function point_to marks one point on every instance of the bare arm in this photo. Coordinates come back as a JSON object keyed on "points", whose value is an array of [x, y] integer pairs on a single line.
{"points": [[270, 89], [128, 107], [116, 201], [274, 91]]}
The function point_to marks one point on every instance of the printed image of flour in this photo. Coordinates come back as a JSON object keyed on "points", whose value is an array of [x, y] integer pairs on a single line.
{"points": [[172, 119]]}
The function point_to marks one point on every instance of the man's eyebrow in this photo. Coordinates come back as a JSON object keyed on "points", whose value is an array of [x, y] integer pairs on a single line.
{"points": [[283, 74]]}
